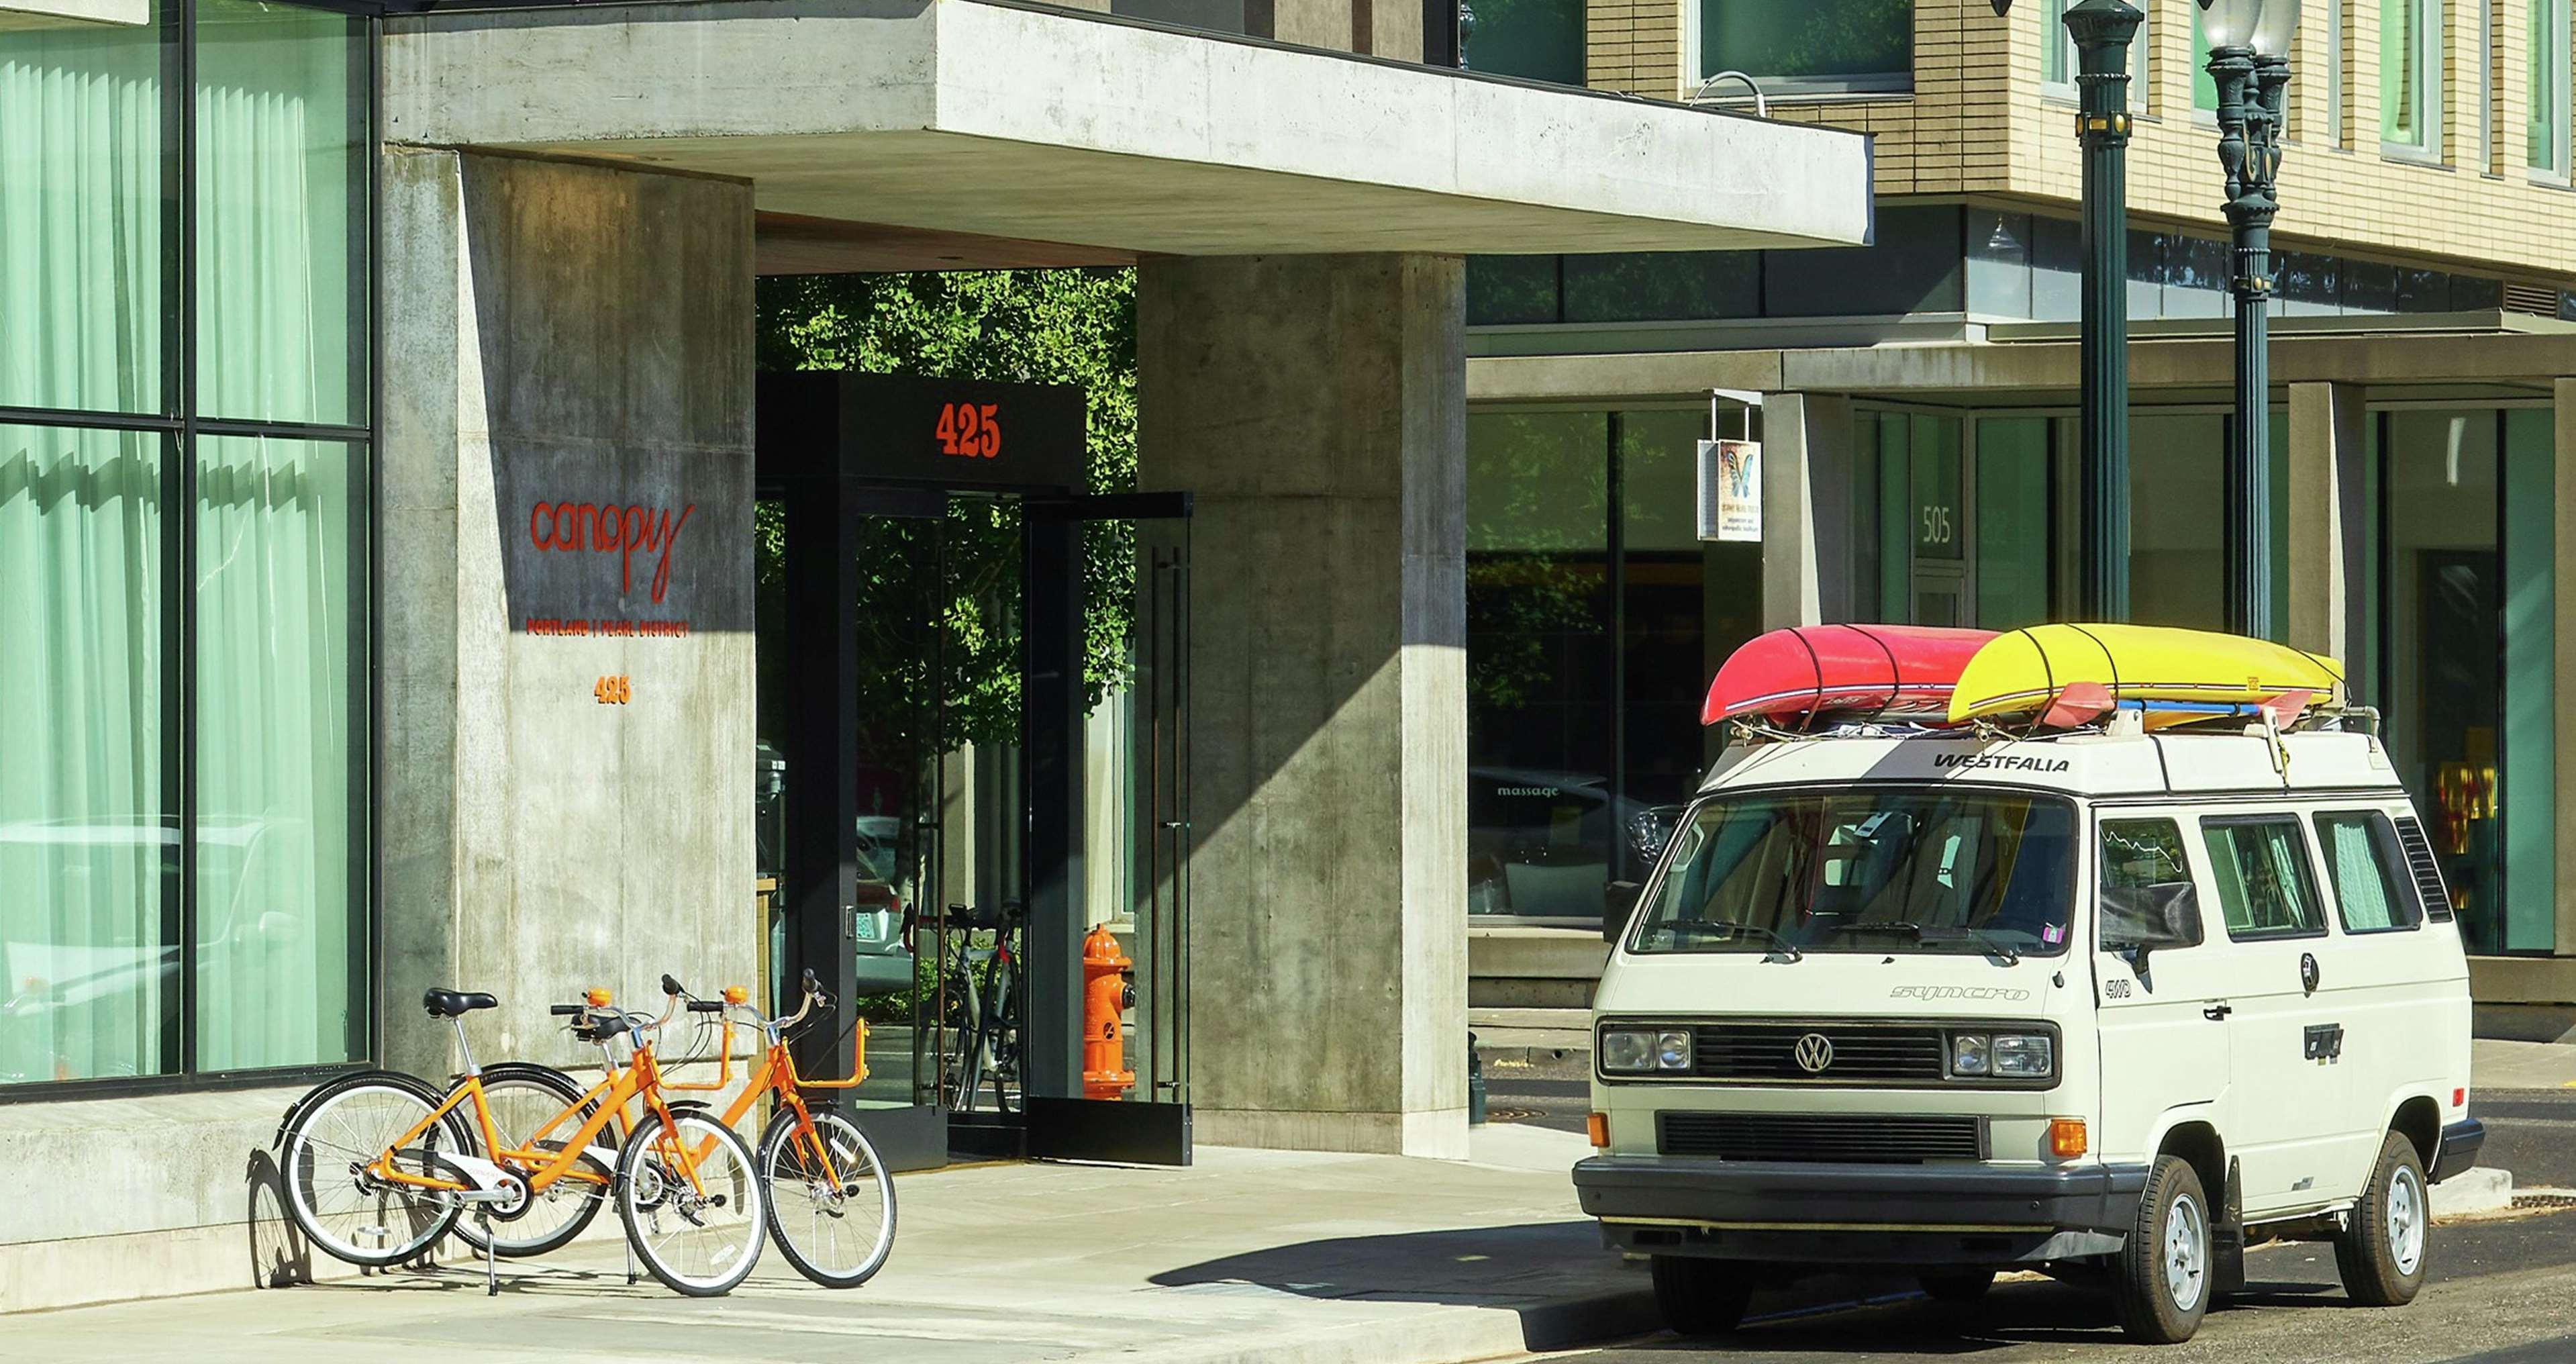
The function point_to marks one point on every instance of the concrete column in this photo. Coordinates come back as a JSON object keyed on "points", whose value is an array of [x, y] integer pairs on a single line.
{"points": [[1806, 509], [2326, 521], [2563, 680], [1317, 407], [565, 481]]}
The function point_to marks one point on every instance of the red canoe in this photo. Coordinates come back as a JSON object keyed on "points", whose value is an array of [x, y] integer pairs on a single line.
{"points": [[1877, 669]]}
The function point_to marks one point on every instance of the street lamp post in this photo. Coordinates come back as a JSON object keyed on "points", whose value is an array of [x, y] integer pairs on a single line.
{"points": [[2249, 60], [2102, 30]]}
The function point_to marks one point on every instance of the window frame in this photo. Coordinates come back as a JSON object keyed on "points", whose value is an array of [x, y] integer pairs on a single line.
{"points": [[2052, 16], [2182, 845], [1777, 87], [182, 426], [2428, 49], [2305, 865], [2390, 857]]}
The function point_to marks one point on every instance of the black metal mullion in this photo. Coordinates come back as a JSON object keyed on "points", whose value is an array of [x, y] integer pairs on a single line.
{"points": [[183, 543], [367, 684], [1615, 548]]}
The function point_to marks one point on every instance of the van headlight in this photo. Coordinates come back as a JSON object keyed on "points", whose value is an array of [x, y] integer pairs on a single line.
{"points": [[1636, 1051], [2002, 1055]]}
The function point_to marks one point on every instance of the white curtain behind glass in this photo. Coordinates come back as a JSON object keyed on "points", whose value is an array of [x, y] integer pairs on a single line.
{"points": [[80, 216], [82, 833], [278, 199], [276, 810]]}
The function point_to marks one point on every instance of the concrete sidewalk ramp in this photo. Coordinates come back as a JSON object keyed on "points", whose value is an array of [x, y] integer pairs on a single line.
{"points": [[1246, 1257]]}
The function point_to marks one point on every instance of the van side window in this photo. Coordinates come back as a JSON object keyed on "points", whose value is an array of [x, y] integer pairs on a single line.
{"points": [[2261, 866], [2361, 862], [2147, 890]]}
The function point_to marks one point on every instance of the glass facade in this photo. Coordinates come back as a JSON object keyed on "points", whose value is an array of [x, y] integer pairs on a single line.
{"points": [[1540, 40], [1834, 44], [2463, 584], [184, 857], [2410, 75], [2545, 106], [1586, 580], [1995, 548], [1991, 263]]}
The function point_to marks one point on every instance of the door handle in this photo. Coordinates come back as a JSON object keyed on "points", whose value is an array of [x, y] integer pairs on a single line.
{"points": [[2218, 1011]]}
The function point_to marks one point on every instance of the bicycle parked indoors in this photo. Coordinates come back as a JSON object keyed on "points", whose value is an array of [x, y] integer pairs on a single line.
{"points": [[379, 1165], [979, 1007], [831, 1199]]}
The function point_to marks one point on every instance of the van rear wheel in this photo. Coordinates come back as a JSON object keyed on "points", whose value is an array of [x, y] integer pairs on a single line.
{"points": [[1701, 1297], [2161, 1281], [2380, 1251]]}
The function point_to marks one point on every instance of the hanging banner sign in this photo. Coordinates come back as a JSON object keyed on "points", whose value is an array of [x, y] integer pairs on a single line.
{"points": [[1730, 491]]}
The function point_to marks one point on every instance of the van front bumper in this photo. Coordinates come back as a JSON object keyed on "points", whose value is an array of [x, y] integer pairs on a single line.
{"points": [[1794, 1211]]}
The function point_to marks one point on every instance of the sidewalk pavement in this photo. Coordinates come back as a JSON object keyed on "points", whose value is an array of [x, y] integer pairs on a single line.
{"points": [[1247, 1257], [1243, 1258], [2498, 1064]]}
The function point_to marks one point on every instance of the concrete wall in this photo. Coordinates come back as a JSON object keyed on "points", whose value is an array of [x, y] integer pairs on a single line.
{"points": [[1316, 406], [563, 337], [123, 1198]]}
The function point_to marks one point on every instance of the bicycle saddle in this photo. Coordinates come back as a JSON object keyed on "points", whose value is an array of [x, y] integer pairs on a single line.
{"points": [[455, 1003]]}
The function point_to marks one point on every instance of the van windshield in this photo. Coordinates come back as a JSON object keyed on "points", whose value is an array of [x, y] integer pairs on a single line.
{"points": [[1880, 870]]}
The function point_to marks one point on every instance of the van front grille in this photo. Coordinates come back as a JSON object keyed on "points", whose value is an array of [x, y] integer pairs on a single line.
{"points": [[1768, 1052], [1867, 1138]]}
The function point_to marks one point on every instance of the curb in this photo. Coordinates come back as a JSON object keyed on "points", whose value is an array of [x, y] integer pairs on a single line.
{"points": [[1455, 1335], [2474, 1190]]}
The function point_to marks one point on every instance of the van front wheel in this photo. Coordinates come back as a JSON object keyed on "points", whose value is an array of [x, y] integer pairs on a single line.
{"points": [[1701, 1297], [2160, 1281], [2380, 1251]]}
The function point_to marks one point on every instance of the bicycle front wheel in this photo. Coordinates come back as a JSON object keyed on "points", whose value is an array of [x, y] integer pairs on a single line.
{"points": [[831, 1201], [334, 1188], [692, 1202]]}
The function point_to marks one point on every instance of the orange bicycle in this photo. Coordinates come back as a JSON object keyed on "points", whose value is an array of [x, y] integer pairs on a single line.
{"points": [[831, 1201], [379, 1165]]}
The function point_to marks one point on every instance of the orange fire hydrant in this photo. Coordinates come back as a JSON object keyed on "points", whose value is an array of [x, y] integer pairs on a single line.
{"points": [[1105, 995]]}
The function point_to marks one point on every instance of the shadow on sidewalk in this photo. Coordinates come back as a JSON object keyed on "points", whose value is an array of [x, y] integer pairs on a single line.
{"points": [[1476, 1267]]}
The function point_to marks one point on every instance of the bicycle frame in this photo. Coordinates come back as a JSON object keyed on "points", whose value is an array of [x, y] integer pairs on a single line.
{"points": [[639, 1078], [777, 1074]]}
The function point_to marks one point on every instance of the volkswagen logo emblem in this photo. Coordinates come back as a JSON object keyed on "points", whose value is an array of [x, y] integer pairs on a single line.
{"points": [[1815, 1051]]}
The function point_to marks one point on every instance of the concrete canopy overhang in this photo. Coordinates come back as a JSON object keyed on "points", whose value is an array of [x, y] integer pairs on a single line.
{"points": [[1059, 127]]}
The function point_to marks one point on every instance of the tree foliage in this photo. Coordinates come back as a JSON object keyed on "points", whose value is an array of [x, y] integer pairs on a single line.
{"points": [[951, 590]]}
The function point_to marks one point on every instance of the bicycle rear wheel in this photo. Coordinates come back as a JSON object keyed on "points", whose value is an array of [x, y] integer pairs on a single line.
{"points": [[692, 1201], [332, 1190], [831, 1200], [524, 1098]]}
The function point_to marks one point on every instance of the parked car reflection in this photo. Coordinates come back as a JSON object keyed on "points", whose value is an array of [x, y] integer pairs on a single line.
{"points": [[90, 966], [1540, 844]]}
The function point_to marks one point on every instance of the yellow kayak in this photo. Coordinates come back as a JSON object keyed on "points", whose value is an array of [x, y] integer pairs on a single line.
{"points": [[2021, 671]]}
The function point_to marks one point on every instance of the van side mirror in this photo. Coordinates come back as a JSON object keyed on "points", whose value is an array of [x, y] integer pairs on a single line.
{"points": [[2137, 920], [1618, 905]]}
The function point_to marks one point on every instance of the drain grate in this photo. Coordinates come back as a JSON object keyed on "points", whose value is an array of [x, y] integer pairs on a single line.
{"points": [[2544, 1200]]}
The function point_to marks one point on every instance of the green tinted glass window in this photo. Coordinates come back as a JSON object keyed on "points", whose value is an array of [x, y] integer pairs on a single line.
{"points": [[281, 213], [2362, 860], [2261, 867], [82, 274]]}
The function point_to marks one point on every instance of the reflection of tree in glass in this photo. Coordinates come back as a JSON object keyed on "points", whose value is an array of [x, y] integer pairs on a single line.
{"points": [[1031, 326], [1537, 533]]}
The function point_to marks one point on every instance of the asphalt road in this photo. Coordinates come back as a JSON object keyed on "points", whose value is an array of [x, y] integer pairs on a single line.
{"points": [[2502, 1290]]}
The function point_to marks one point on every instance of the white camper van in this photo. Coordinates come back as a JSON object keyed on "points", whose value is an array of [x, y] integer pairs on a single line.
{"points": [[2109, 1004]]}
